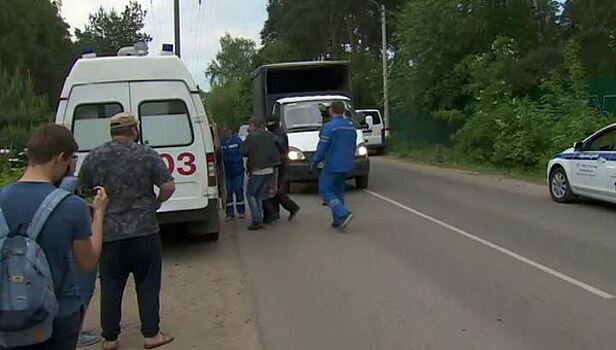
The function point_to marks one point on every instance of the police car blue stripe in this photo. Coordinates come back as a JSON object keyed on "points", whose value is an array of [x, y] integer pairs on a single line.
{"points": [[610, 156]]}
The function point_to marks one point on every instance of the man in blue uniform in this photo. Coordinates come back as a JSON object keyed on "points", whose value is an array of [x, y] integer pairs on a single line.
{"points": [[336, 150], [234, 174]]}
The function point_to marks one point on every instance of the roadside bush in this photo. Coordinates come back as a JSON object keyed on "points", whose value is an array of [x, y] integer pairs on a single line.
{"points": [[522, 132], [10, 176]]}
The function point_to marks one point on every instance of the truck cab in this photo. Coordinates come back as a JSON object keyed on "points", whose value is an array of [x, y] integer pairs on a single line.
{"points": [[297, 96], [302, 118]]}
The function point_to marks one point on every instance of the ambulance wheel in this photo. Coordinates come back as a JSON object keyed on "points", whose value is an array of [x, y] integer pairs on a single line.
{"points": [[361, 182], [212, 236], [204, 231]]}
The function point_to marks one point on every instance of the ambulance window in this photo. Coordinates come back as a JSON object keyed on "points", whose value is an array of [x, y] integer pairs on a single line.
{"points": [[91, 124], [165, 123]]}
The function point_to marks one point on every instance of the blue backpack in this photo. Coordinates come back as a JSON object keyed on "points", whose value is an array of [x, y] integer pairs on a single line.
{"points": [[28, 304]]}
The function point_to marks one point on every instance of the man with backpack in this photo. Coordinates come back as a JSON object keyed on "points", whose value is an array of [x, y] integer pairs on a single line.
{"points": [[42, 229]]}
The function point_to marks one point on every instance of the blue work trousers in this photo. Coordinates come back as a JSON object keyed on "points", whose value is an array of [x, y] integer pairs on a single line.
{"points": [[235, 195], [332, 187]]}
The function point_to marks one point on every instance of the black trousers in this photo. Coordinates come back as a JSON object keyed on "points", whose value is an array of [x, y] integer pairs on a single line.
{"points": [[142, 257], [64, 336], [271, 207]]}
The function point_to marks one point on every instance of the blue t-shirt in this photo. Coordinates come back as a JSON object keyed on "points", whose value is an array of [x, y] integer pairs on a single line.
{"points": [[69, 222]]}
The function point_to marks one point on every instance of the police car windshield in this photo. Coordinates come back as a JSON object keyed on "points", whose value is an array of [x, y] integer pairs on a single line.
{"points": [[311, 115]]}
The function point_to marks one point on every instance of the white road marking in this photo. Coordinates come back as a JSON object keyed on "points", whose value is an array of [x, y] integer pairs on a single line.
{"points": [[587, 287]]}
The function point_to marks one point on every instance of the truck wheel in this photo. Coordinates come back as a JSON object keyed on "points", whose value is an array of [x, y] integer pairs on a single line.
{"points": [[560, 188], [361, 182], [204, 231]]}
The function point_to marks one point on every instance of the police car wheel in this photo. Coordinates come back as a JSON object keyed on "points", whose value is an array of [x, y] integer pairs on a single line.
{"points": [[560, 189]]}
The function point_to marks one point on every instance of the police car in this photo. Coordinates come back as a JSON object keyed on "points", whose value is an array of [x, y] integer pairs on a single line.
{"points": [[588, 169]]}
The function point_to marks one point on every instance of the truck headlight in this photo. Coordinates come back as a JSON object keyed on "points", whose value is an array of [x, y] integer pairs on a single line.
{"points": [[362, 151], [295, 154]]}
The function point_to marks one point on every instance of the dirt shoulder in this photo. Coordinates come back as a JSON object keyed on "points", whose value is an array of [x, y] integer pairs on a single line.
{"points": [[205, 303]]}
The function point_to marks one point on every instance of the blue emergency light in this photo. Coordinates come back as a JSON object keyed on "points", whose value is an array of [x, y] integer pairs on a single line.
{"points": [[167, 47], [88, 52]]}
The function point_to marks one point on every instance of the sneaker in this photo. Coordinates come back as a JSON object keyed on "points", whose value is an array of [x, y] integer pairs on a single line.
{"points": [[87, 338], [293, 214], [228, 218], [346, 221], [255, 227]]}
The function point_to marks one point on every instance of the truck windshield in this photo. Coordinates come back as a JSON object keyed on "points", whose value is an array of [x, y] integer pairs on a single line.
{"points": [[310, 115]]}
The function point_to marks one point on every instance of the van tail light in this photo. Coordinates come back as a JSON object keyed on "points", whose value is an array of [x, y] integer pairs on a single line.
{"points": [[211, 169]]}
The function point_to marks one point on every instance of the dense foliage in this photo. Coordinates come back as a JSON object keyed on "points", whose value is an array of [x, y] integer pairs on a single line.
{"points": [[108, 31], [36, 53]]}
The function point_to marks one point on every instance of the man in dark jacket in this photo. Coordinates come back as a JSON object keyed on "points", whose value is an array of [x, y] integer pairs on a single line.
{"points": [[234, 174], [262, 149], [281, 198]]}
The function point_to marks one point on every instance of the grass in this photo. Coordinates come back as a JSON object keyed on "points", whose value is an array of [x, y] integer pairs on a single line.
{"points": [[445, 157]]}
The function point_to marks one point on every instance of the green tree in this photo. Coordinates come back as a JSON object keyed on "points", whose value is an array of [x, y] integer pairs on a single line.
{"points": [[592, 23], [340, 30], [233, 62], [22, 108], [108, 31], [230, 99], [326, 29], [230, 104], [35, 39]]}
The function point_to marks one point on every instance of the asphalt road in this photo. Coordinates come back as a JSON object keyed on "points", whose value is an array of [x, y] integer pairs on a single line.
{"points": [[436, 260]]}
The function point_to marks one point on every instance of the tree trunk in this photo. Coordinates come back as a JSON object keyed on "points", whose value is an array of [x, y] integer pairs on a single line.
{"points": [[348, 21], [539, 18]]}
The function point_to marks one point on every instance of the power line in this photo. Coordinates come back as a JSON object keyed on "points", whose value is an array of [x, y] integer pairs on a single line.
{"points": [[198, 37]]}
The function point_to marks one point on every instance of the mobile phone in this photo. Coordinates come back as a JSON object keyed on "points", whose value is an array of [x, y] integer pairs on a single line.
{"points": [[88, 195]]}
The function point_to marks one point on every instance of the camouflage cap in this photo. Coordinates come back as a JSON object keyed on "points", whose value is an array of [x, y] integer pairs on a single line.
{"points": [[123, 120]]}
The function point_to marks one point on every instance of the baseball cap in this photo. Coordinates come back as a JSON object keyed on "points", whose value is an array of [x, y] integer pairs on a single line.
{"points": [[123, 120]]}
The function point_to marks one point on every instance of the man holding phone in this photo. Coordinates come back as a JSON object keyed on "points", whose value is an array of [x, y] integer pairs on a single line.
{"points": [[85, 281], [70, 238], [131, 244]]}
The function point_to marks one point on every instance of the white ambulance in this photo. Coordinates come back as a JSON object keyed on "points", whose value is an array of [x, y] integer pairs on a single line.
{"points": [[163, 95]]}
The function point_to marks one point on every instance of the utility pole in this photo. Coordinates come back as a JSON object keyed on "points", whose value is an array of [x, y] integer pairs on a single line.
{"points": [[385, 68], [176, 25]]}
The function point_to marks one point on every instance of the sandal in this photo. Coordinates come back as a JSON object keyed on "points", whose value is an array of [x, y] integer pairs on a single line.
{"points": [[106, 345], [165, 339]]}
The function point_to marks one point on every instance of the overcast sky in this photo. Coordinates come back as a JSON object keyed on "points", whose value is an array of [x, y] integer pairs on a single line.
{"points": [[202, 26]]}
